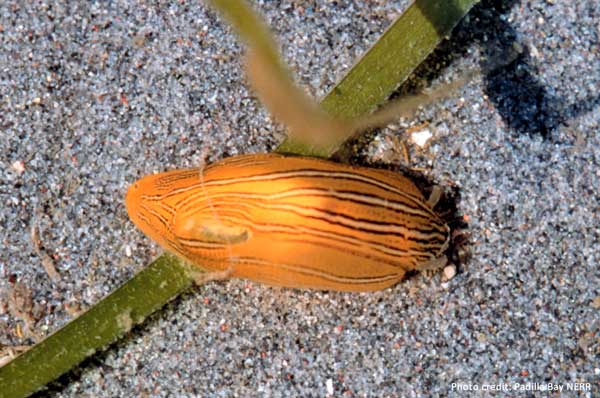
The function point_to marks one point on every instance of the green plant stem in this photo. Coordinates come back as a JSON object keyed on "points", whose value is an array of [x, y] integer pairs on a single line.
{"points": [[387, 64], [94, 330]]}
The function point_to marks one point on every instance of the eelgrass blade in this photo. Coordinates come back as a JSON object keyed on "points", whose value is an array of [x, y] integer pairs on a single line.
{"points": [[387, 64], [97, 328]]}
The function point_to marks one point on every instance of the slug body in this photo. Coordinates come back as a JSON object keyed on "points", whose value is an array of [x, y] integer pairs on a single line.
{"points": [[292, 221]]}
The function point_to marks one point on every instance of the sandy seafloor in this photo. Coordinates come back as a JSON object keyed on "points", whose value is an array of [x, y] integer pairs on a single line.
{"points": [[95, 95]]}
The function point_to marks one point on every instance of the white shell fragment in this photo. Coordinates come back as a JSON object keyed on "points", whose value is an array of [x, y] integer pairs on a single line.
{"points": [[329, 386], [421, 137]]}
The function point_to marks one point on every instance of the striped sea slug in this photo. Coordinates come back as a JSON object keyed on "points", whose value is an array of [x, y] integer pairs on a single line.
{"points": [[292, 221]]}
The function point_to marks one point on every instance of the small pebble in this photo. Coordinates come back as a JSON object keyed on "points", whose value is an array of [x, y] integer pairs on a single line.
{"points": [[18, 166], [449, 271]]}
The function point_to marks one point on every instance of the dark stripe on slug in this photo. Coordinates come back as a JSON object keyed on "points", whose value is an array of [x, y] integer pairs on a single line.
{"points": [[436, 240], [310, 173], [411, 218], [173, 244], [166, 180], [385, 252], [344, 241], [290, 175], [355, 197], [266, 202], [383, 258], [309, 271], [410, 215], [240, 162], [170, 210], [410, 260], [165, 223], [367, 226]]}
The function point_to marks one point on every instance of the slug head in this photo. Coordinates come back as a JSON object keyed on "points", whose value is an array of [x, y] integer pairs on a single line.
{"points": [[174, 210], [150, 204]]}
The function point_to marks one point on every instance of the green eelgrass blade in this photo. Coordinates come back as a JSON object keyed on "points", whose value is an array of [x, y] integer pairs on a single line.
{"points": [[387, 64], [377, 74], [98, 327]]}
